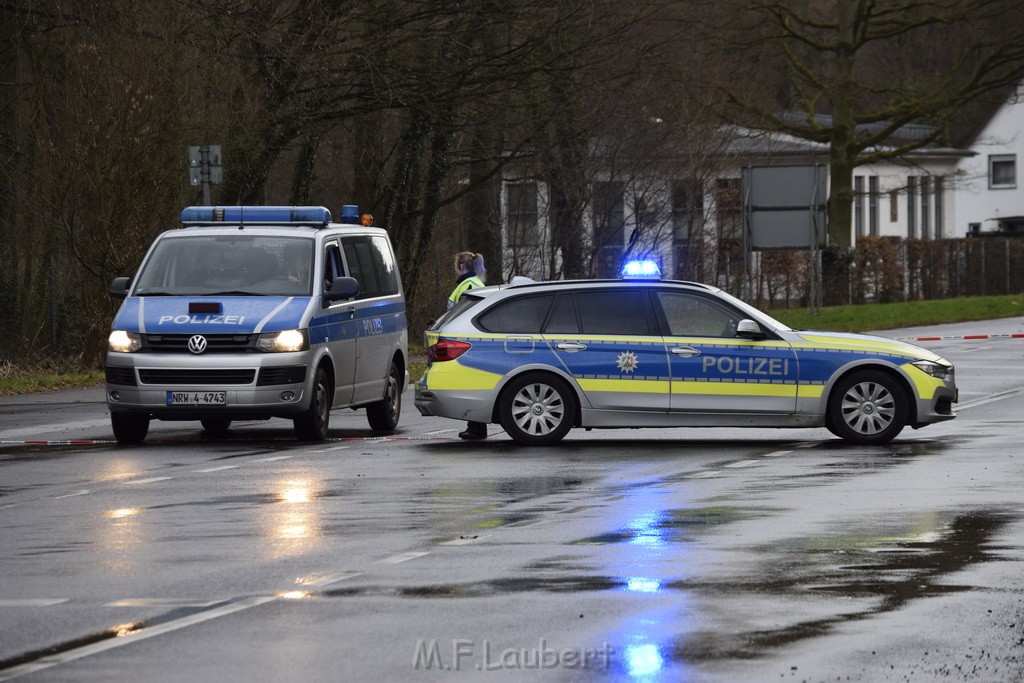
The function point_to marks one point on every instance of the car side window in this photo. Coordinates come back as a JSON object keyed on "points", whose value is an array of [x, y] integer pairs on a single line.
{"points": [[621, 312], [563, 319], [523, 315], [690, 315]]}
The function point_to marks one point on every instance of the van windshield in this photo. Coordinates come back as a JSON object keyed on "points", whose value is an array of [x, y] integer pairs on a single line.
{"points": [[239, 265]]}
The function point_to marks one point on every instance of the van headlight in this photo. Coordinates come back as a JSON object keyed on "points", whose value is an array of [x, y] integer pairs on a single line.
{"points": [[283, 341], [124, 342], [937, 370]]}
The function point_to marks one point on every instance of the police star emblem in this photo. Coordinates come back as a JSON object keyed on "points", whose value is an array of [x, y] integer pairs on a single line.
{"points": [[626, 362]]}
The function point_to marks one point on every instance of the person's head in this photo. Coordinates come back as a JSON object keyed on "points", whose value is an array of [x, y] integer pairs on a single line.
{"points": [[468, 262]]}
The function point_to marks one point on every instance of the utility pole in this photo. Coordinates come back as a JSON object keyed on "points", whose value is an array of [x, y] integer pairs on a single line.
{"points": [[204, 168]]}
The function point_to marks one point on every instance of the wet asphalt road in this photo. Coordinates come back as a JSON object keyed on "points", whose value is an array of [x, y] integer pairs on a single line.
{"points": [[641, 555]]}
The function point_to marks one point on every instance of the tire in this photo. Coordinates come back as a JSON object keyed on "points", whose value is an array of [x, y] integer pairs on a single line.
{"points": [[216, 425], [868, 407], [384, 414], [537, 409], [129, 428], [312, 424]]}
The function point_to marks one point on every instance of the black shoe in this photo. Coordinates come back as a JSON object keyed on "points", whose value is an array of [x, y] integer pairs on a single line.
{"points": [[473, 435]]}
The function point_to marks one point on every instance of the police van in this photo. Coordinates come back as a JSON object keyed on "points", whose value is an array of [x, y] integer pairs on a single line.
{"points": [[253, 312]]}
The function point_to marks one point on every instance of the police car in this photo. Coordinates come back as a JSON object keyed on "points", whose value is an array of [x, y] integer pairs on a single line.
{"points": [[250, 312], [540, 359]]}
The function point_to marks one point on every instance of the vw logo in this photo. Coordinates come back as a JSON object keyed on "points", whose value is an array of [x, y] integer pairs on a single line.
{"points": [[197, 343]]}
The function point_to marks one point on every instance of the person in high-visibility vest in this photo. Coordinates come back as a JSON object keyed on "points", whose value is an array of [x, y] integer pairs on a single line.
{"points": [[469, 272]]}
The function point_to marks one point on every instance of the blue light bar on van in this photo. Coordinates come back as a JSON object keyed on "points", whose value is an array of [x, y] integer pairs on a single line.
{"points": [[350, 214], [317, 215], [641, 269]]}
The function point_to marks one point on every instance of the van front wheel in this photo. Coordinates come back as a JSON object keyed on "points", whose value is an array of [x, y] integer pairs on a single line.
{"points": [[311, 425], [129, 428], [383, 415]]}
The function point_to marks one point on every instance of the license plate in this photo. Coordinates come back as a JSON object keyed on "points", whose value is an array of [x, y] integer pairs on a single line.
{"points": [[196, 398]]}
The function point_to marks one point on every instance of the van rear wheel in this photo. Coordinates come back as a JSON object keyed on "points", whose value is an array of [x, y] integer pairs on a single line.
{"points": [[129, 428], [311, 425]]}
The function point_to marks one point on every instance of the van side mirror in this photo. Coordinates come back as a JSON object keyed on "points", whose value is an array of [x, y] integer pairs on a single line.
{"points": [[119, 287], [342, 288], [748, 329]]}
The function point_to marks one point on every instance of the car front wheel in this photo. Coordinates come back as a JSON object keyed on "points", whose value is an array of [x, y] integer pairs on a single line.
{"points": [[537, 409], [311, 425], [868, 407]]}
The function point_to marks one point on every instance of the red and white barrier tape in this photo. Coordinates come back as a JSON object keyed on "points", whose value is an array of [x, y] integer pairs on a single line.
{"points": [[963, 337]]}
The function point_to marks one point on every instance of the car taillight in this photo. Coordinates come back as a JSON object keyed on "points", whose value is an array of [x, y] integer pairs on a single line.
{"points": [[447, 349]]}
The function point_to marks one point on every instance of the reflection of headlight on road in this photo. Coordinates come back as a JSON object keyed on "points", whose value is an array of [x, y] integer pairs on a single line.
{"points": [[283, 341], [124, 342]]}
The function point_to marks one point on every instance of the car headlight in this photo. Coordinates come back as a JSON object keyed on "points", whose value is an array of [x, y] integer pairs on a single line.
{"points": [[283, 341], [934, 369], [124, 342]]}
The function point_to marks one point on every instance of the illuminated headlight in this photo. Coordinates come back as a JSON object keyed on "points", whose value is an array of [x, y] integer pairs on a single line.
{"points": [[937, 370], [285, 340], [124, 342]]}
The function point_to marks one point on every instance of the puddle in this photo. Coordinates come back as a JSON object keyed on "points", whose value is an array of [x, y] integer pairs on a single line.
{"points": [[675, 526], [563, 584]]}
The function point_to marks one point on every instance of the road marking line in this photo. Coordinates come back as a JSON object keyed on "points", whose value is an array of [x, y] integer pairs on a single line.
{"points": [[33, 602], [463, 541], [148, 481], [439, 431], [274, 459], [987, 399], [162, 602], [72, 495], [218, 469], [4, 507], [776, 454], [333, 448], [131, 637], [742, 463], [50, 429], [807, 444], [327, 579], [403, 557], [705, 475]]}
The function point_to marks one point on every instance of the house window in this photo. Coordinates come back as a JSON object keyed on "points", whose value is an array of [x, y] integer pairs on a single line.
{"points": [[1002, 171], [858, 206], [940, 216], [522, 215], [926, 223], [912, 207], [894, 205], [609, 221], [873, 205]]}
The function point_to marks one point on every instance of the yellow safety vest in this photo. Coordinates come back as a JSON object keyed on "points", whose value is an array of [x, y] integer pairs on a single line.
{"points": [[471, 282]]}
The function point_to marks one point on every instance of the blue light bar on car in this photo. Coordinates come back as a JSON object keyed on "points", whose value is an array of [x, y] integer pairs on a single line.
{"points": [[317, 215], [641, 269]]}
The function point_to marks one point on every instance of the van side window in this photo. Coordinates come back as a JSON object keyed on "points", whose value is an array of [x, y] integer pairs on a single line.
{"points": [[333, 267], [370, 261]]}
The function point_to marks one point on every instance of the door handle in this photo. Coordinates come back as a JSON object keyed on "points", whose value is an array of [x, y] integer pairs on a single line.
{"points": [[351, 312], [684, 351], [571, 347]]}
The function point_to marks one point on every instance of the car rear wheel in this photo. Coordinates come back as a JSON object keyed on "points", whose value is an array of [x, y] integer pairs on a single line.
{"points": [[216, 426], [867, 407], [129, 428], [537, 409], [383, 415], [312, 424]]}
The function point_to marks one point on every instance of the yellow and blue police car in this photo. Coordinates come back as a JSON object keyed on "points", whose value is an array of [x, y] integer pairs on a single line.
{"points": [[542, 358], [253, 312]]}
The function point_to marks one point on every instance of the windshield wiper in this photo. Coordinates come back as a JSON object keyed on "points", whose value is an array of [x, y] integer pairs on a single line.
{"points": [[156, 293], [234, 292]]}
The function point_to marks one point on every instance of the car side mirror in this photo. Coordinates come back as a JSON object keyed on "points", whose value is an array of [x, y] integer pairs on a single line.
{"points": [[119, 287], [342, 288], [748, 329]]}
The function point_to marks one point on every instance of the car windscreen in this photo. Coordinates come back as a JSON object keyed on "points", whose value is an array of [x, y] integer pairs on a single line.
{"points": [[234, 265]]}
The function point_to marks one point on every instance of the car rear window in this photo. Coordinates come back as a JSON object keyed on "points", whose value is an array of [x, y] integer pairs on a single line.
{"points": [[465, 303], [523, 315]]}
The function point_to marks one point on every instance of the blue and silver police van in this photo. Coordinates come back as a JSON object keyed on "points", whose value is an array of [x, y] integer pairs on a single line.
{"points": [[254, 312]]}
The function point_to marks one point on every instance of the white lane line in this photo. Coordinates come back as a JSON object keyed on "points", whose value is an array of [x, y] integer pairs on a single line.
{"points": [[327, 579], [148, 481], [807, 444], [705, 475], [72, 495], [131, 637], [53, 429], [464, 540], [776, 454], [4, 507], [742, 463], [218, 469], [439, 431], [332, 448], [274, 459], [33, 602], [161, 602], [403, 557], [988, 399]]}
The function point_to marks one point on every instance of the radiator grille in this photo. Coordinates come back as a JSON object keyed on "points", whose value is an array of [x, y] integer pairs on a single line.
{"points": [[215, 343], [175, 376]]}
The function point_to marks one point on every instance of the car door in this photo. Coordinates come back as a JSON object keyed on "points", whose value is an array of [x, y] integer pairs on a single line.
{"points": [[715, 371], [335, 325], [608, 340]]}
